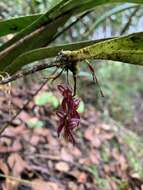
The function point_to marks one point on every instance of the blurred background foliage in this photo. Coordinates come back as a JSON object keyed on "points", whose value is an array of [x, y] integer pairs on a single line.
{"points": [[120, 83]]}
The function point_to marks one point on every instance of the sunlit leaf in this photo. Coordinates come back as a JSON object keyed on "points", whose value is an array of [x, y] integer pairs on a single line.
{"points": [[46, 98], [35, 123], [81, 107]]}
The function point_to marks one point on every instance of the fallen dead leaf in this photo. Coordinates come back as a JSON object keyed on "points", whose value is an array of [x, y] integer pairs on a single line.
{"points": [[94, 156], [5, 141], [91, 134], [82, 178], [79, 175], [38, 184], [62, 166], [3, 168], [107, 136], [73, 186], [18, 102], [17, 164], [5, 149], [42, 132], [24, 116], [8, 184], [106, 127], [65, 155], [76, 152], [35, 140], [15, 131]]}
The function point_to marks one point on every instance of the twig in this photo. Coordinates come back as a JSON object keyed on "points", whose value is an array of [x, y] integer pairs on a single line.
{"points": [[70, 25], [26, 72], [125, 28], [12, 178]]}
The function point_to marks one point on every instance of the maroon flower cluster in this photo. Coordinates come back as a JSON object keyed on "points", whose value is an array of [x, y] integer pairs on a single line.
{"points": [[67, 113]]}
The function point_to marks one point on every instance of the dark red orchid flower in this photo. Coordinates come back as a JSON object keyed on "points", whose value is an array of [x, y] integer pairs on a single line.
{"points": [[67, 113]]}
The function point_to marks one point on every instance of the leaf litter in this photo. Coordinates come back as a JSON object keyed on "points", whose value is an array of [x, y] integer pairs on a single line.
{"points": [[35, 158]]}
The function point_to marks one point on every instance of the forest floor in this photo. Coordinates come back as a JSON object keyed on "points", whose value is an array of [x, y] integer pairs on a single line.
{"points": [[32, 157]]}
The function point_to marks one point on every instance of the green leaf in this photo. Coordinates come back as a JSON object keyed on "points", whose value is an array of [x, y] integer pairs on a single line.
{"points": [[107, 14], [123, 185], [46, 98], [35, 123], [81, 6], [127, 49], [43, 53], [35, 40], [14, 25], [81, 107], [34, 35], [43, 20], [41, 32]]}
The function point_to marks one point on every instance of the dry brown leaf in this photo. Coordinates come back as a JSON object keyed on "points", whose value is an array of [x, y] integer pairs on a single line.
{"points": [[34, 140], [17, 164], [15, 131], [38, 184], [18, 102], [76, 152], [62, 166], [106, 169], [82, 178], [4, 141], [42, 132], [123, 163], [14, 148], [3, 168], [94, 156], [85, 161], [89, 134], [17, 146], [10, 184], [96, 141], [106, 127], [7, 183], [65, 155], [107, 136], [73, 186], [24, 116]]}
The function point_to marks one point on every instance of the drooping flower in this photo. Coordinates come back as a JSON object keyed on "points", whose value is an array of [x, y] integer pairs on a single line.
{"points": [[69, 118]]}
